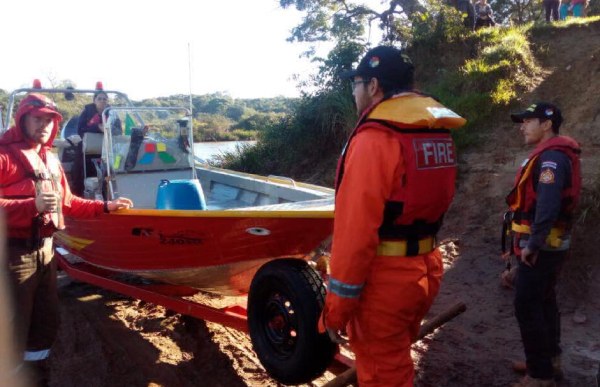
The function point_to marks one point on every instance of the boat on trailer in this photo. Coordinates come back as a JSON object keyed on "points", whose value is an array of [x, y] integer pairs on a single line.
{"points": [[195, 228]]}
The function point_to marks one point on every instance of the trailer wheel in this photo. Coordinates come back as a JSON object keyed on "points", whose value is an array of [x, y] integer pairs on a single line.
{"points": [[284, 304]]}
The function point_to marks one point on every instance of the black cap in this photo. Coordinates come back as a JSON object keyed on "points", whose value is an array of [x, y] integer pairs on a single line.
{"points": [[384, 62], [541, 110]]}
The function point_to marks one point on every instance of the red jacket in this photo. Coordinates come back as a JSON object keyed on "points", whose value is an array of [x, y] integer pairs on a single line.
{"points": [[18, 161]]}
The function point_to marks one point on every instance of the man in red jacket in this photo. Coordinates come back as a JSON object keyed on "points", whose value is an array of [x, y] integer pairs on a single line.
{"points": [[394, 183], [34, 195]]}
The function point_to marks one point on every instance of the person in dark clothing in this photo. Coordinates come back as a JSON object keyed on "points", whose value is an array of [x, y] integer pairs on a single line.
{"points": [[484, 15], [466, 8], [90, 121], [551, 7], [546, 191]]}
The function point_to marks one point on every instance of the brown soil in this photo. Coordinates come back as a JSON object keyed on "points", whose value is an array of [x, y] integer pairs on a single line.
{"points": [[110, 340]]}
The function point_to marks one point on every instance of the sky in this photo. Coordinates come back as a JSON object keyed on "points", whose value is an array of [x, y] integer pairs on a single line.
{"points": [[141, 47]]}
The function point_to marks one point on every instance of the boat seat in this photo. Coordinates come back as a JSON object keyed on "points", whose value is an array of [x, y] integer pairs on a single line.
{"points": [[92, 143], [91, 146]]}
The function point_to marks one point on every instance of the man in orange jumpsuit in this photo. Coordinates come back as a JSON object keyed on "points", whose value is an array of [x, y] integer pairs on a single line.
{"points": [[394, 183]]}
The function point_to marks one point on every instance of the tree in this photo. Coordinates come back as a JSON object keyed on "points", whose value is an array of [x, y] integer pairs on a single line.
{"points": [[342, 20], [235, 112]]}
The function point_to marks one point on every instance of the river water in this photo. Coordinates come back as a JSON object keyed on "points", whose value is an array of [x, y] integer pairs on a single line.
{"points": [[207, 150]]}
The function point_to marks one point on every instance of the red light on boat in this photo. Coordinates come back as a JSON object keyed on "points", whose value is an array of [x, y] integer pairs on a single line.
{"points": [[99, 86], [37, 84]]}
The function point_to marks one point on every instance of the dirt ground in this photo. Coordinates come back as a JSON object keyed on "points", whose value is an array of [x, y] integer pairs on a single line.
{"points": [[110, 340]]}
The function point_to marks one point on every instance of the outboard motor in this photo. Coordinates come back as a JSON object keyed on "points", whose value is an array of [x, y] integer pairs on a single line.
{"points": [[180, 195]]}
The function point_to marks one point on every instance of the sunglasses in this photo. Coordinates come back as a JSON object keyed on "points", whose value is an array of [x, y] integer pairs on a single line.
{"points": [[42, 104], [356, 83]]}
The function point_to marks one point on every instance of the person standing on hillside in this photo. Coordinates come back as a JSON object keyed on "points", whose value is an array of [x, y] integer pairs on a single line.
{"points": [[484, 15], [546, 191], [578, 6], [34, 195], [395, 182], [563, 11], [468, 12], [551, 7]]}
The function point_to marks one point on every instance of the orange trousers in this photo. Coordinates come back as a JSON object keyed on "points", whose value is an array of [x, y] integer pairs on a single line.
{"points": [[398, 293]]}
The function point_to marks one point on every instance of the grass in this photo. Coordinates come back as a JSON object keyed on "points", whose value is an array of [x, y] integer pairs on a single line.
{"points": [[489, 82], [304, 146]]}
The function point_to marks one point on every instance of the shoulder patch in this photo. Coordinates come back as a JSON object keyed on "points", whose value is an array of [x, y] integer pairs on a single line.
{"points": [[549, 164], [547, 177]]}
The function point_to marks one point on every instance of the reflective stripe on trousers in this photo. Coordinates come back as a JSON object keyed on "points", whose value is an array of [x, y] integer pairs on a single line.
{"points": [[36, 355]]}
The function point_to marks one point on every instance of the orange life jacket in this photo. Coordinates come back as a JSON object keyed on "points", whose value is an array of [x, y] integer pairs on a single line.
{"points": [[522, 199], [423, 194]]}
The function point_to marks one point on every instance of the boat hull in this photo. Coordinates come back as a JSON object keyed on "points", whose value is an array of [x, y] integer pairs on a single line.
{"points": [[214, 251]]}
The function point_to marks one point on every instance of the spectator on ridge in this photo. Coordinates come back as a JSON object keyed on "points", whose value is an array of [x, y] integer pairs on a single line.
{"points": [[551, 7], [485, 15]]}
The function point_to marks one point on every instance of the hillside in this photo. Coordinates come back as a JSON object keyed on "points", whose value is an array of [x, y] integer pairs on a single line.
{"points": [[487, 335], [107, 339]]}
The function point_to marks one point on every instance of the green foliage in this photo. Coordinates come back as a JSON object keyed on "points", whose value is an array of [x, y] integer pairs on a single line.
{"points": [[245, 135], [255, 121], [347, 21], [305, 145], [437, 26], [339, 59], [489, 82]]}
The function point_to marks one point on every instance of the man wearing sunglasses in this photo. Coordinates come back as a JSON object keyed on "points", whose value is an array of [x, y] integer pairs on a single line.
{"points": [[34, 195], [395, 181]]}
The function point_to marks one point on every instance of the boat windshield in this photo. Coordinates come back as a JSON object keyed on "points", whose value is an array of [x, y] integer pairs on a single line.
{"points": [[162, 143]]}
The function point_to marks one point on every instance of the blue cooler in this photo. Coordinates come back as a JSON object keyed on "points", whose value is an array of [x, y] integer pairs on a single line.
{"points": [[180, 195]]}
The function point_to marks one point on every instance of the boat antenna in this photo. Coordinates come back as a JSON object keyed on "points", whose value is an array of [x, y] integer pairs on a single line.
{"points": [[190, 75], [191, 121]]}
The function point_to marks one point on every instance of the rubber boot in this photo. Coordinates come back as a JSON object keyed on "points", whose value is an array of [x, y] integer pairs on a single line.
{"points": [[528, 381]]}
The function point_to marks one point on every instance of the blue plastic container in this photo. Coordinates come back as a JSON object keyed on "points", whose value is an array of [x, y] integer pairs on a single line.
{"points": [[180, 195]]}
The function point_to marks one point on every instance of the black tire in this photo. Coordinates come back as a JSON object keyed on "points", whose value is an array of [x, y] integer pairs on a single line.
{"points": [[284, 304]]}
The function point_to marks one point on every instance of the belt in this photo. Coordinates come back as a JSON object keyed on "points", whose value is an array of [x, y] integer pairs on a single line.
{"points": [[400, 248], [26, 243], [553, 238]]}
